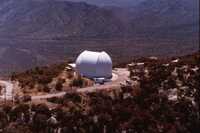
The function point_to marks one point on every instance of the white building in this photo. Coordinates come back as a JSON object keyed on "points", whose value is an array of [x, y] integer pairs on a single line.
{"points": [[94, 64]]}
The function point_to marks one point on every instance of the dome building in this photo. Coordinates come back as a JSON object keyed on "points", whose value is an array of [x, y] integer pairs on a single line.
{"points": [[94, 64]]}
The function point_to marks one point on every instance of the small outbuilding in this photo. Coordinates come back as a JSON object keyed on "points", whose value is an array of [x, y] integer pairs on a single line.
{"points": [[94, 64]]}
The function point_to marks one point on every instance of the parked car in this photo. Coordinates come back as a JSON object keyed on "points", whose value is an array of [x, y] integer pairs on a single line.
{"points": [[99, 80]]}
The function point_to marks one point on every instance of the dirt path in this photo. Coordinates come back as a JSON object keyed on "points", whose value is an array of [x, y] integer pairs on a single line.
{"points": [[119, 75]]}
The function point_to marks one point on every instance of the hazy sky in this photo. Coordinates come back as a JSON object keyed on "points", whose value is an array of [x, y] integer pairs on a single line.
{"points": [[111, 2]]}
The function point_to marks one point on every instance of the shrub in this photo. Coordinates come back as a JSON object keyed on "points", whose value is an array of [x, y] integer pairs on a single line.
{"points": [[46, 89], [77, 82], [55, 100], [44, 79], [26, 98], [59, 86], [1, 88], [13, 76], [70, 75], [74, 97], [41, 108]]}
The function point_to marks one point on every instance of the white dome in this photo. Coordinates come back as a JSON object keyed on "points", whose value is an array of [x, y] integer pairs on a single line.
{"points": [[94, 64]]}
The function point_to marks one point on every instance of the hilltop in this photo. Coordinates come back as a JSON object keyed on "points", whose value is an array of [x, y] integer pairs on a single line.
{"points": [[162, 95]]}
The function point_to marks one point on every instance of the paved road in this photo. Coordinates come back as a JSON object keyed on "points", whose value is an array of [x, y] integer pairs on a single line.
{"points": [[119, 75], [7, 90]]}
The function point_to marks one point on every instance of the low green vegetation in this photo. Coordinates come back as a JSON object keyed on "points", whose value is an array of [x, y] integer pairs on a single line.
{"points": [[39, 76]]}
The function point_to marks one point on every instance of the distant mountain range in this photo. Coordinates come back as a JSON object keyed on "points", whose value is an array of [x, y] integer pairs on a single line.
{"points": [[41, 32], [63, 19], [49, 18], [166, 18], [117, 3]]}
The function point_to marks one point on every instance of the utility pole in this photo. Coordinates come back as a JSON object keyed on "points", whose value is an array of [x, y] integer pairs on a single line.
{"points": [[12, 96]]}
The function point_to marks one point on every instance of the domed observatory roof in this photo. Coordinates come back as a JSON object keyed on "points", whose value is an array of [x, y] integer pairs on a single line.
{"points": [[94, 64]]}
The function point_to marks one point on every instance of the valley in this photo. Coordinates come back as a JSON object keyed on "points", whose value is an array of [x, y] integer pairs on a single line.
{"points": [[22, 54], [41, 32]]}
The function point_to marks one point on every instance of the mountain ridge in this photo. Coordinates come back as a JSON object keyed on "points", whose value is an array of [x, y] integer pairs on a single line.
{"points": [[63, 19], [40, 32], [56, 17]]}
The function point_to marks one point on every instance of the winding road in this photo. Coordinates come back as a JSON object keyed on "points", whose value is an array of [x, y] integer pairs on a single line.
{"points": [[119, 75]]}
